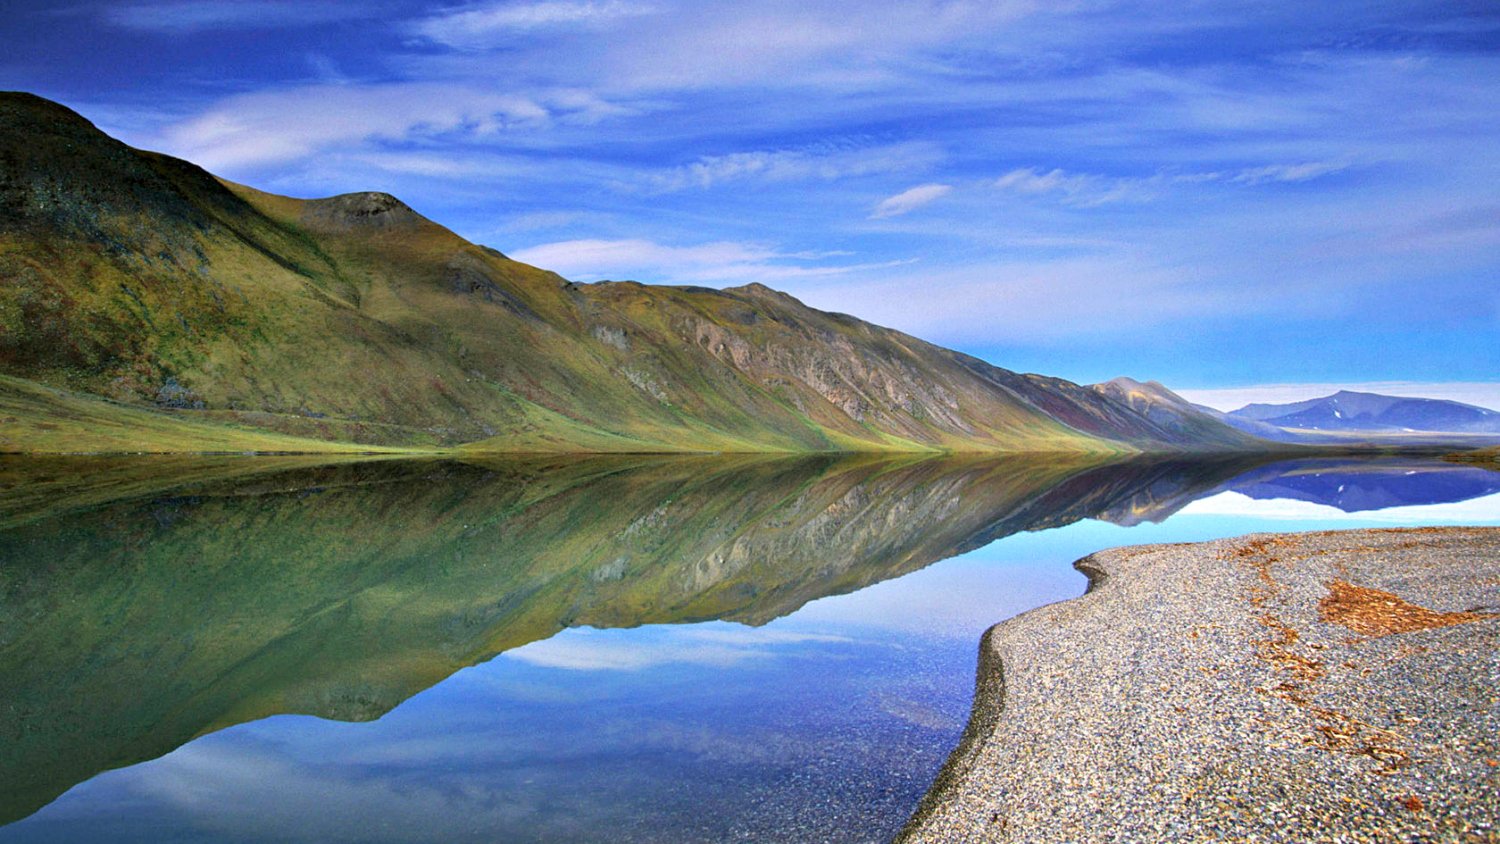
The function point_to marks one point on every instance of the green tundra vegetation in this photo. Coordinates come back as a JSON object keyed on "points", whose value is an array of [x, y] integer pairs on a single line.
{"points": [[148, 306]]}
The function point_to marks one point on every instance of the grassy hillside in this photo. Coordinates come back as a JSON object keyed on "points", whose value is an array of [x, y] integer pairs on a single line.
{"points": [[37, 418], [142, 279]]}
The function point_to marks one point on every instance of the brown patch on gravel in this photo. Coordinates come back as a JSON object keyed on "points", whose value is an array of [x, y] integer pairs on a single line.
{"points": [[1373, 613], [1205, 692], [1333, 731], [1278, 651], [1342, 732]]}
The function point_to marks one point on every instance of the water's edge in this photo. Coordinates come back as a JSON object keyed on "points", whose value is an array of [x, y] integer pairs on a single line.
{"points": [[1429, 550]]}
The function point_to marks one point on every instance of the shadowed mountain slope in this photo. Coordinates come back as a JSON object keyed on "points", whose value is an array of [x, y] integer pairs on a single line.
{"points": [[141, 279]]}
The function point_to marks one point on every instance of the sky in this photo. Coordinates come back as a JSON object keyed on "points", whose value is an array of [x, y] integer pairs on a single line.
{"points": [[1233, 198]]}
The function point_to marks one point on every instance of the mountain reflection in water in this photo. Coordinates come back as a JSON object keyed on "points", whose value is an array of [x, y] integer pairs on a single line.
{"points": [[147, 602]]}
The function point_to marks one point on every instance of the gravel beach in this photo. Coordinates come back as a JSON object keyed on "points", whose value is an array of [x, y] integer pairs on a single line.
{"points": [[1337, 686]]}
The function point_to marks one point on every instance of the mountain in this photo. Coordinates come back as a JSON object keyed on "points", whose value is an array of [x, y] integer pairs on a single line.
{"points": [[139, 281], [1165, 408], [1351, 411]]}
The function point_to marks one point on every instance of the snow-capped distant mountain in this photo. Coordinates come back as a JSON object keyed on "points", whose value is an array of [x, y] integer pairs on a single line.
{"points": [[1350, 411]]}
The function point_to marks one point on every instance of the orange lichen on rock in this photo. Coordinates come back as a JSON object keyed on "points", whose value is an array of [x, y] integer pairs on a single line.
{"points": [[1371, 612]]}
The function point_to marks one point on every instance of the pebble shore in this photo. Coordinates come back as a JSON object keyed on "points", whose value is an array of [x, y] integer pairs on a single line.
{"points": [[1339, 686]]}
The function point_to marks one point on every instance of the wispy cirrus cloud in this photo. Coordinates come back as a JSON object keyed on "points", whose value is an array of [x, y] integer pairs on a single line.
{"points": [[1077, 188], [184, 16], [1092, 189], [1042, 301], [295, 123], [1287, 172], [794, 165], [910, 200], [590, 257], [483, 26], [703, 263]]}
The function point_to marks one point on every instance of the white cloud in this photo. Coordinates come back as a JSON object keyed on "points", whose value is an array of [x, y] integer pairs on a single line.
{"points": [[1479, 393], [1083, 189], [794, 165], [478, 27], [293, 124], [596, 257], [708, 44], [1287, 172], [909, 200], [704, 263], [194, 16], [1029, 180], [434, 166], [1032, 301], [1091, 189]]}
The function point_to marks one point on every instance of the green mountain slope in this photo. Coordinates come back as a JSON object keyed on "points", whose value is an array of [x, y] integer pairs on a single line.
{"points": [[142, 279]]}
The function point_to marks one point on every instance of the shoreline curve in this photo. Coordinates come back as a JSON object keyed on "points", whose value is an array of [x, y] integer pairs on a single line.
{"points": [[1335, 685]]}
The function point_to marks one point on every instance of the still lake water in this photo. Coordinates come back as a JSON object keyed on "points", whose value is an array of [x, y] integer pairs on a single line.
{"points": [[642, 649]]}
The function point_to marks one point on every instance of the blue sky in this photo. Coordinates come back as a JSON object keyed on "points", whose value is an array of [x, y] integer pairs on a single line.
{"points": [[1215, 195]]}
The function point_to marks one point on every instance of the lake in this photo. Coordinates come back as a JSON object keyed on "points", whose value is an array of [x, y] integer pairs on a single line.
{"points": [[641, 649]]}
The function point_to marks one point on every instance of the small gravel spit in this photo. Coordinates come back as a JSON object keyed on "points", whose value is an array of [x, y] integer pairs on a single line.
{"points": [[1338, 686]]}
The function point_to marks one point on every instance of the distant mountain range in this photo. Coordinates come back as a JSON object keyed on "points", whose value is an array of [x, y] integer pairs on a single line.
{"points": [[1371, 412], [1312, 421], [1170, 410], [150, 306]]}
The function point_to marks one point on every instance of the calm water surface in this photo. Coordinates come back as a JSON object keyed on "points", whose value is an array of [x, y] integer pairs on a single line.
{"points": [[670, 650]]}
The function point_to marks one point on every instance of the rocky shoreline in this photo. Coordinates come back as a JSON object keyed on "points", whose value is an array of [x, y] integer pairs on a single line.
{"points": [[1337, 686]]}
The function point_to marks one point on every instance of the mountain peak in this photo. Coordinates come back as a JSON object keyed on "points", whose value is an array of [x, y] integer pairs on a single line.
{"points": [[1129, 385], [363, 211], [20, 109], [1124, 382]]}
